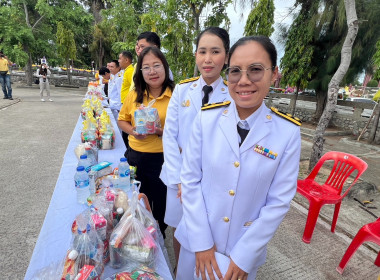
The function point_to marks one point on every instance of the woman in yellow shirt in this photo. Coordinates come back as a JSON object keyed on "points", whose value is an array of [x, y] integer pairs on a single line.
{"points": [[145, 150]]}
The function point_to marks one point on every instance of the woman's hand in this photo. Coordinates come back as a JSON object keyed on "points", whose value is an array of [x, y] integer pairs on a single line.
{"points": [[205, 262], [179, 192], [235, 273], [159, 131], [137, 135]]}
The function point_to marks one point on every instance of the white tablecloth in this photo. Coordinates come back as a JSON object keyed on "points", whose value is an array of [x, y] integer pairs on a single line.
{"points": [[55, 236]]}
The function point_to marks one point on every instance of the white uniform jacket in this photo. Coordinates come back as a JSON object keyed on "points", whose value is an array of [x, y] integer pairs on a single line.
{"points": [[114, 88], [235, 197], [184, 105]]}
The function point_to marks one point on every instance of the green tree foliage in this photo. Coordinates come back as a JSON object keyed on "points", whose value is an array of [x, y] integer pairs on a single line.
{"points": [[329, 31], [28, 29], [296, 62], [376, 61], [261, 19], [66, 46], [177, 22]]}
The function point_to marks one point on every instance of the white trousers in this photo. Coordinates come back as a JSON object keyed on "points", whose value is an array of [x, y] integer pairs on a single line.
{"points": [[186, 266], [43, 86]]}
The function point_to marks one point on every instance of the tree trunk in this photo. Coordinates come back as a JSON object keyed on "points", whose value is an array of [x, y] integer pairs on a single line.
{"points": [[372, 133], [68, 71], [321, 101], [353, 26], [96, 7], [101, 52], [28, 67], [293, 100], [196, 15]]}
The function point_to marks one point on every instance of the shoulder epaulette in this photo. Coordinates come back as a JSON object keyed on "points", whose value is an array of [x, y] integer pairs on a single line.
{"points": [[215, 105], [225, 82], [287, 116], [189, 80]]}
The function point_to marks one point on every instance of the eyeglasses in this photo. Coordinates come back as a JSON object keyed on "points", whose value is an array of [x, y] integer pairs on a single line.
{"points": [[156, 68], [255, 73]]}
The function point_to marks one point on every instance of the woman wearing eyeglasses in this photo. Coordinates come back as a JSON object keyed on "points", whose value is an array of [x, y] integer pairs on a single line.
{"points": [[152, 82], [211, 53], [239, 172]]}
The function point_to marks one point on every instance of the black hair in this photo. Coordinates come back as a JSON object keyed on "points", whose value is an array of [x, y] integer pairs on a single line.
{"points": [[127, 54], [264, 41], [43, 71], [116, 62], [217, 31], [150, 37], [103, 70], [138, 79]]}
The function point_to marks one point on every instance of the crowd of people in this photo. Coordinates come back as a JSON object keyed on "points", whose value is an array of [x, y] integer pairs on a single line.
{"points": [[222, 168]]}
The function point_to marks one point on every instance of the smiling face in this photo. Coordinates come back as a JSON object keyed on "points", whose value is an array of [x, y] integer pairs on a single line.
{"points": [[248, 95], [210, 57], [113, 68], [153, 71]]}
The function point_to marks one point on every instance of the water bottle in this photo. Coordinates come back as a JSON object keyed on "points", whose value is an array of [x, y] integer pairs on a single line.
{"points": [[82, 185], [140, 121], [90, 155], [84, 161], [124, 175]]}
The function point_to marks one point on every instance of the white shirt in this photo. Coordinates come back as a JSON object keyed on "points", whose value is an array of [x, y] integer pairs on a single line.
{"points": [[249, 122], [114, 89], [202, 83]]}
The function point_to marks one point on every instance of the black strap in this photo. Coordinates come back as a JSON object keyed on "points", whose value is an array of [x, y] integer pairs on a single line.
{"points": [[206, 89], [243, 133]]}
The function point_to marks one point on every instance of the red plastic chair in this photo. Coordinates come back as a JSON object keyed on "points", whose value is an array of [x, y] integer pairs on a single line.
{"points": [[330, 192], [369, 232]]}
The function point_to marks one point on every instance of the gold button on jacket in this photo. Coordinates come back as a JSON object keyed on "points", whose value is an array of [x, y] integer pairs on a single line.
{"points": [[226, 219], [237, 164], [232, 192]]}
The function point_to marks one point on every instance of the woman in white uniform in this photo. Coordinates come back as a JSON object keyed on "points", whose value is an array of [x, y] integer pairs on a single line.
{"points": [[212, 48], [239, 172]]}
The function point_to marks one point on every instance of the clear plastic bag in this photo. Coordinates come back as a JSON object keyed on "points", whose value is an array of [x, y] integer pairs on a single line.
{"points": [[86, 248], [131, 243], [147, 119], [141, 272]]}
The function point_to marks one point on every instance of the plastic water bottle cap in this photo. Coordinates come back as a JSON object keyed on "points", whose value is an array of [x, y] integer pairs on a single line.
{"points": [[123, 159], [80, 168], [83, 156]]}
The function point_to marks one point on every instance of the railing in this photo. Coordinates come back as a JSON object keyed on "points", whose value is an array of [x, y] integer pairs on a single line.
{"points": [[358, 107]]}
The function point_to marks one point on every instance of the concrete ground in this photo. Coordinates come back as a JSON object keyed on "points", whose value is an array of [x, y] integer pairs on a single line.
{"points": [[34, 137]]}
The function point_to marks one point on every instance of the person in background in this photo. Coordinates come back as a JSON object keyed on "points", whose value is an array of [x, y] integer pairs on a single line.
{"points": [[239, 171], [147, 39], [114, 88], [125, 62], [43, 73], [211, 55], [103, 82], [5, 78], [145, 151]]}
